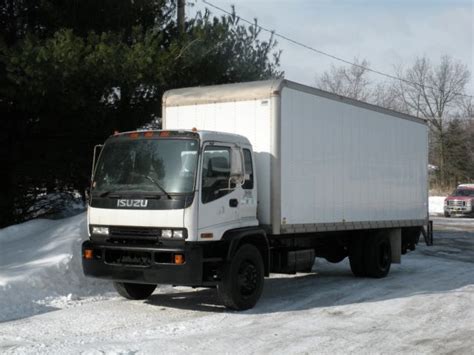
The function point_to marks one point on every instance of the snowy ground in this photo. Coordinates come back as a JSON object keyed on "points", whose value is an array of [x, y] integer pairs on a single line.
{"points": [[423, 306], [436, 205]]}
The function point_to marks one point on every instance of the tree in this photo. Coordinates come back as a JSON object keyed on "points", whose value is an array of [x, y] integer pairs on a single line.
{"points": [[459, 135], [72, 74], [350, 81], [436, 94]]}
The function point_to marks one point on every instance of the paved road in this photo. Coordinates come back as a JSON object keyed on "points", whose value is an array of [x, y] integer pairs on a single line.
{"points": [[453, 239]]}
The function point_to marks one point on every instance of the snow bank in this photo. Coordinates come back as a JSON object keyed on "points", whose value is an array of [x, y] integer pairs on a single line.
{"points": [[40, 267], [436, 205]]}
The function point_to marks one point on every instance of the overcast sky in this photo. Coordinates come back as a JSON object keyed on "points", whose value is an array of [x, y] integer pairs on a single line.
{"points": [[385, 32]]}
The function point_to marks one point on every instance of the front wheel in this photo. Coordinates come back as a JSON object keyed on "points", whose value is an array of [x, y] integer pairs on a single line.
{"points": [[133, 291], [242, 279]]}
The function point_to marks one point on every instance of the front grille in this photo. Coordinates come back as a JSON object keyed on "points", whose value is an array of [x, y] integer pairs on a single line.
{"points": [[134, 235], [134, 231], [456, 203]]}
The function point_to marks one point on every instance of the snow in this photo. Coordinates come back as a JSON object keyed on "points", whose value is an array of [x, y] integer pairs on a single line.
{"points": [[48, 307], [40, 261], [436, 205]]}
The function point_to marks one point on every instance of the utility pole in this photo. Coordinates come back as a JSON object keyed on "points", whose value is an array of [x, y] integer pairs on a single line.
{"points": [[181, 4]]}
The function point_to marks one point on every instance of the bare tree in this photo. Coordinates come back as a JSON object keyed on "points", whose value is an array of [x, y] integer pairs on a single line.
{"points": [[385, 94], [351, 81], [434, 93], [468, 108]]}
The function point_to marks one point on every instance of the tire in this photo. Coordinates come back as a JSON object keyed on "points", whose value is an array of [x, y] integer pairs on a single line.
{"points": [[242, 279], [133, 291], [378, 255], [357, 255], [447, 215]]}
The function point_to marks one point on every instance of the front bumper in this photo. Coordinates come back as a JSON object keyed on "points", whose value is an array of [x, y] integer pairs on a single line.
{"points": [[107, 263], [458, 210]]}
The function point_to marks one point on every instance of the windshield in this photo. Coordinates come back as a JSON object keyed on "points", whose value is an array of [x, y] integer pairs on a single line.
{"points": [[163, 166], [463, 192]]}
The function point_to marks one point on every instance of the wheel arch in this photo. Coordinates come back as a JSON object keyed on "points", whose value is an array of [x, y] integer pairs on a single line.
{"points": [[255, 236]]}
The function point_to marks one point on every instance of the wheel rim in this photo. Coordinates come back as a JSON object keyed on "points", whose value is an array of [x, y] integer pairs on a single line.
{"points": [[384, 256], [247, 278]]}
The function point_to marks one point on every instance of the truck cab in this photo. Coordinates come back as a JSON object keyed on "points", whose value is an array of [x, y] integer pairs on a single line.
{"points": [[163, 206]]}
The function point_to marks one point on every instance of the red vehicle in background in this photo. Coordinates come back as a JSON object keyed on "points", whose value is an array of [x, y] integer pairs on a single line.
{"points": [[460, 202]]}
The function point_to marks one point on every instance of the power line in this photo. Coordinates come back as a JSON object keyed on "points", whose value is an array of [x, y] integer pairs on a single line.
{"points": [[286, 38]]}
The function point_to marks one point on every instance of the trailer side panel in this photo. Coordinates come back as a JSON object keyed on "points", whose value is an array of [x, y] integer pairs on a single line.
{"points": [[343, 164]]}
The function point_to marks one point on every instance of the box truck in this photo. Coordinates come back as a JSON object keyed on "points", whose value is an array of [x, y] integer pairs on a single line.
{"points": [[255, 178]]}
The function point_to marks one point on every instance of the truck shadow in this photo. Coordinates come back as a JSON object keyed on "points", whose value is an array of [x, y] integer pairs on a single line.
{"points": [[333, 285]]}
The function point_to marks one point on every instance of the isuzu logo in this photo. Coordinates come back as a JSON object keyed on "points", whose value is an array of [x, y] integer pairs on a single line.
{"points": [[132, 203]]}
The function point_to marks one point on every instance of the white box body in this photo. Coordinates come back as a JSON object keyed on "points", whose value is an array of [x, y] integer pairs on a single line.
{"points": [[324, 162]]}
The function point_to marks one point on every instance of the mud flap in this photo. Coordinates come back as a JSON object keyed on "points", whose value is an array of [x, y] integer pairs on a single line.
{"points": [[428, 233], [395, 237]]}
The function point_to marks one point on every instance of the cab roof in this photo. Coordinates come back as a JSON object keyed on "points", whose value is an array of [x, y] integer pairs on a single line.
{"points": [[204, 136], [466, 186]]}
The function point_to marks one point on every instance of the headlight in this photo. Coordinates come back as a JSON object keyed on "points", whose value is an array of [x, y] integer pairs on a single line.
{"points": [[166, 233], [173, 234], [178, 234], [100, 230]]}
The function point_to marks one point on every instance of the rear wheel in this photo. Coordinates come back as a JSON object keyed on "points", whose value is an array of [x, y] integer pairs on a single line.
{"points": [[378, 255], [356, 256], [133, 291], [242, 279]]}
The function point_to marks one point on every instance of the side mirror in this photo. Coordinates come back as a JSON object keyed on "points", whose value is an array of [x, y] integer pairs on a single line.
{"points": [[236, 166]]}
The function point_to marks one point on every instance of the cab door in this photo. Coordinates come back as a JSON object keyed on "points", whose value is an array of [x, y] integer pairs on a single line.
{"points": [[219, 199], [248, 202]]}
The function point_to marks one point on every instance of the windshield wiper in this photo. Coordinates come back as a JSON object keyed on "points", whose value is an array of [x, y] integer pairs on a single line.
{"points": [[108, 192], [158, 185]]}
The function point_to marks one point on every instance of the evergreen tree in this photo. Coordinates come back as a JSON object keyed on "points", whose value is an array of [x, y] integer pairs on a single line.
{"points": [[73, 72]]}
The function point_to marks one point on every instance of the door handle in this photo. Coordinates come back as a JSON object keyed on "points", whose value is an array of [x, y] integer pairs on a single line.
{"points": [[233, 202]]}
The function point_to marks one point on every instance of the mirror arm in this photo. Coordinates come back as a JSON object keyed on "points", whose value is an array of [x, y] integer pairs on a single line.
{"points": [[94, 158]]}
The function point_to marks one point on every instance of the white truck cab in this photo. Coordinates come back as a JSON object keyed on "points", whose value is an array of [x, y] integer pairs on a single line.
{"points": [[156, 194], [194, 181]]}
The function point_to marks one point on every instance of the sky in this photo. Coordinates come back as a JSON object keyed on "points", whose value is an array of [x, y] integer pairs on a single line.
{"points": [[387, 33]]}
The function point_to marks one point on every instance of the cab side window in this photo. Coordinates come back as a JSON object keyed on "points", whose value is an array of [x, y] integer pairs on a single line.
{"points": [[248, 185], [215, 173]]}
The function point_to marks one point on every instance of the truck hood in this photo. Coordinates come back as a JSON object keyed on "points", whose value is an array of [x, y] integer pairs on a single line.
{"points": [[459, 198], [133, 217]]}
